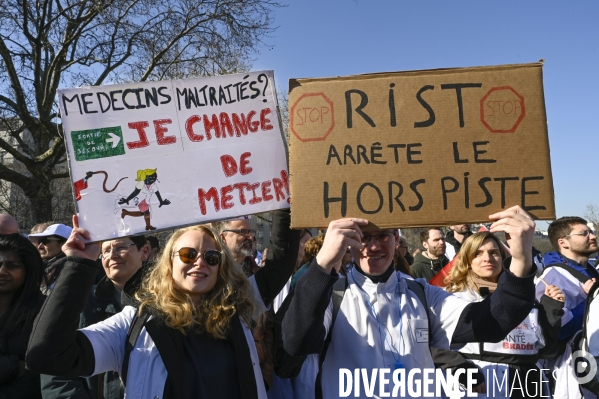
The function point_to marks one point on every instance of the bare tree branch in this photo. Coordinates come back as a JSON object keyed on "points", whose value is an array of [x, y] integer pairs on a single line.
{"points": [[48, 43]]}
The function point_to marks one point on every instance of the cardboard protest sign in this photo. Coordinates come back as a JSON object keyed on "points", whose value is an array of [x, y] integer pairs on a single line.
{"points": [[408, 149], [156, 155]]}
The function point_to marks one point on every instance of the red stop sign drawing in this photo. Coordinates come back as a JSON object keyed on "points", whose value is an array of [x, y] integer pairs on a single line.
{"points": [[502, 109], [312, 117]]}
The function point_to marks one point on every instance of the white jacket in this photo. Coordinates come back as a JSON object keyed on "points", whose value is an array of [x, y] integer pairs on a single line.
{"points": [[146, 375]]}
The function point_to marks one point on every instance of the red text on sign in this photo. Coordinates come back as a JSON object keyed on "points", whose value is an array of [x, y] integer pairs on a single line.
{"points": [[159, 130], [230, 165], [244, 193], [224, 124]]}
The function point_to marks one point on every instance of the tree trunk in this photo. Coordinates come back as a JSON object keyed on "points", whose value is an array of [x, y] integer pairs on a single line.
{"points": [[41, 202]]}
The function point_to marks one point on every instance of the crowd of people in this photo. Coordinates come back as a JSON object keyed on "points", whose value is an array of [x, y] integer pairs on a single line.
{"points": [[208, 316]]}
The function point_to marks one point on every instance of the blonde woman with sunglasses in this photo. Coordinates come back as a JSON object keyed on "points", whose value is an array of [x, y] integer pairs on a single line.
{"points": [[196, 307]]}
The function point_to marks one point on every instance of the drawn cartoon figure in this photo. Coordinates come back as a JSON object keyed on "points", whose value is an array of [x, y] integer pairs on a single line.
{"points": [[81, 184], [142, 194]]}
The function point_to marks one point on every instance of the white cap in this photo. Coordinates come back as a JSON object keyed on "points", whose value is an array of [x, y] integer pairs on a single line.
{"points": [[60, 230]]}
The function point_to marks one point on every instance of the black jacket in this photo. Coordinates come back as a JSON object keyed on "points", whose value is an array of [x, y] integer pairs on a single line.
{"points": [[101, 304], [425, 267], [451, 240], [56, 347], [12, 351]]}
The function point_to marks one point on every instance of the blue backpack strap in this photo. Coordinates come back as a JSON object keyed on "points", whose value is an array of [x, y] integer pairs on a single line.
{"points": [[134, 330]]}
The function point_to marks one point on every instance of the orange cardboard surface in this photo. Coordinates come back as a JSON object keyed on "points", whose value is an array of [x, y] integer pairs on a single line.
{"points": [[418, 148]]}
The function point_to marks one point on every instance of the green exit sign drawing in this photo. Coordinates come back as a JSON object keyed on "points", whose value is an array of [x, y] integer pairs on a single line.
{"points": [[98, 143]]}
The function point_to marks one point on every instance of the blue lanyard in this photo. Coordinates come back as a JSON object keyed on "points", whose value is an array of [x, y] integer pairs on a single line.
{"points": [[382, 332]]}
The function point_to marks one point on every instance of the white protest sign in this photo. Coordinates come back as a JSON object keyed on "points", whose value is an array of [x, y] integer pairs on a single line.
{"points": [[156, 155]]}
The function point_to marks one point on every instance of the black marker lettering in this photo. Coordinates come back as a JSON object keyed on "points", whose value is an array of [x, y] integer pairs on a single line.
{"points": [[395, 147], [478, 152], [138, 96], [431, 114], [101, 94], [396, 198], [153, 97], [458, 91], [114, 100], [167, 98], [212, 95], [243, 88], [342, 199], [333, 153], [231, 99], [393, 120], [179, 95], [359, 199], [86, 103], [529, 208], [124, 98], [256, 91], [65, 100], [411, 152], [446, 190], [414, 187], [347, 153], [363, 103], [489, 198], [456, 154], [203, 91], [361, 150], [466, 191], [503, 180], [222, 97], [375, 153]]}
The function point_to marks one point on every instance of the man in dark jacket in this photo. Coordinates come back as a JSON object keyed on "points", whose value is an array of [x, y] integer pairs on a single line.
{"points": [[455, 237], [122, 260], [428, 263]]}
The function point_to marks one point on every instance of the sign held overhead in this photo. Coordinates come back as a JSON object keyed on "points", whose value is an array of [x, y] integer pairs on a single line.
{"points": [[158, 155], [417, 148]]}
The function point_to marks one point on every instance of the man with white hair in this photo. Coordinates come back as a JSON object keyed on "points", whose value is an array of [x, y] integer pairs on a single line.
{"points": [[240, 238]]}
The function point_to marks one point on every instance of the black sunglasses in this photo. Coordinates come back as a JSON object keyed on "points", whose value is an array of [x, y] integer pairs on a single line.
{"points": [[190, 255], [46, 240]]}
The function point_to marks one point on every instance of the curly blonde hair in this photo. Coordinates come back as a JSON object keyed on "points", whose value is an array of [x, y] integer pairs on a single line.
{"points": [[461, 274], [312, 248], [161, 296]]}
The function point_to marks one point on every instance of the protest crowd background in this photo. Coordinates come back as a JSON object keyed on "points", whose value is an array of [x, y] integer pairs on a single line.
{"points": [[112, 290]]}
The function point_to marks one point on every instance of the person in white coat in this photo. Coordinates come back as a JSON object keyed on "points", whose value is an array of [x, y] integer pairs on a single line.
{"points": [[381, 323], [509, 366], [196, 307]]}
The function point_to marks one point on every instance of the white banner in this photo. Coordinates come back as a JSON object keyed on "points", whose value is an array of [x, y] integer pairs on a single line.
{"points": [[157, 155]]}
